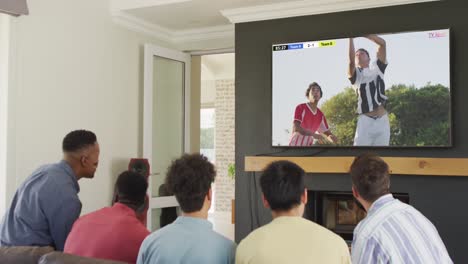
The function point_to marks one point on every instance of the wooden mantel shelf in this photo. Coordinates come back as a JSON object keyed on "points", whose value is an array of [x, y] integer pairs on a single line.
{"points": [[398, 165]]}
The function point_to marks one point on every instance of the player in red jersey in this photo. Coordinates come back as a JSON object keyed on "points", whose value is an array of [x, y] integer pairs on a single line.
{"points": [[309, 121]]}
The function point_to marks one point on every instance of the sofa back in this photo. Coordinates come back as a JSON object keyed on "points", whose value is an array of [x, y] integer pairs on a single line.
{"points": [[44, 255], [57, 257], [23, 254]]}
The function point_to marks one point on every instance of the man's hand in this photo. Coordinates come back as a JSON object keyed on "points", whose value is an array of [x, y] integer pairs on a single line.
{"points": [[382, 47], [332, 138], [314, 135]]}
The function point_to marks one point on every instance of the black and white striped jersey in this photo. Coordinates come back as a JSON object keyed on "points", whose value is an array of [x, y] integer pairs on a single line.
{"points": [[370, 86]]}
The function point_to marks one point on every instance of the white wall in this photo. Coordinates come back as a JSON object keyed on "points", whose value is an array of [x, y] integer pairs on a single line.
{"points": [[214, 67], [218, 66], [4, 44], [75, 68]]}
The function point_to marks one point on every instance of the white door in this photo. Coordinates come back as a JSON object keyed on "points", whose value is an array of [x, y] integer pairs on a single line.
{"points": [[165, 123]]}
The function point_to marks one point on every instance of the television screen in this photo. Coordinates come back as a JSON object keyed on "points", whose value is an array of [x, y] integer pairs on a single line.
{"points": [[374, 90]]}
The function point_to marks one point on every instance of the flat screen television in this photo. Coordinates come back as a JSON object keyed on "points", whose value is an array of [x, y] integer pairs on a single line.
{"points": [[383, 90]]}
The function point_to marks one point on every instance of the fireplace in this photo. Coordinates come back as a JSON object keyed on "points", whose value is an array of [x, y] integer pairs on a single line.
{"points": [[338, 211]]}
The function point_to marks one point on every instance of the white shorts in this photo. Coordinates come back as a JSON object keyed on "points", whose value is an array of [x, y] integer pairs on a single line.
{"points": [[372, 131]]}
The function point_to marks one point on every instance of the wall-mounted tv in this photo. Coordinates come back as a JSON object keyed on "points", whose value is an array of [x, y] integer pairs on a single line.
{"points": [[385, 90]]}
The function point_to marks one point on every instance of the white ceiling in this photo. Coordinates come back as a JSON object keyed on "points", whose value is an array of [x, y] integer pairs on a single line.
{"points": [[208, 24], [194, 14], [218, 66], [214, 67]]}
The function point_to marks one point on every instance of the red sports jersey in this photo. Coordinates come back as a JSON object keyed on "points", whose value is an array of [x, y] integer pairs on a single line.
{"points": [[315, 122]]}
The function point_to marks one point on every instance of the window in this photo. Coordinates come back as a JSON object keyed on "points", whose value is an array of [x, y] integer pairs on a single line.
{"points": [[207, 133]]}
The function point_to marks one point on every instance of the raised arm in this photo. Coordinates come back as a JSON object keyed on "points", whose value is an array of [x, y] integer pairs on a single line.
{"points": [[382, 47], [351, 66]]}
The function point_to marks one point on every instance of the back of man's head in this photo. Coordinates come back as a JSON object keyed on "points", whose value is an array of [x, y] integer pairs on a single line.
{"points": [[189, 178], [282, 184], [78, 140], [370, 176], [131, 189]]}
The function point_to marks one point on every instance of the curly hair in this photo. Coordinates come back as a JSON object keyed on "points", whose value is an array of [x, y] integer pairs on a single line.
{"points": [[310, 88], [370, 176], [77, 140], [189, 178]]}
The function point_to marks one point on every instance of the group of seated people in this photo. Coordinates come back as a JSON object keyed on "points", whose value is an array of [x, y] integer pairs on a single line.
{"points": [[45, 212]]}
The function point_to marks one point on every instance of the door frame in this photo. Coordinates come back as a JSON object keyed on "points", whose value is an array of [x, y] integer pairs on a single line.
{"points": [[149, 52]]}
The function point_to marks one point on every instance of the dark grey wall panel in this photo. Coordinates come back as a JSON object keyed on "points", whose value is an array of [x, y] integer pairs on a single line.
{"points": [[441, 199]]}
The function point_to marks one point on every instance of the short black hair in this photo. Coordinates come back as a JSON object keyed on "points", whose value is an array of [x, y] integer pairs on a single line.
{"points": [[282, 184], [131, 188], [370, 176], [77, 140], [310, 88], [189, 178], [365, 51]]}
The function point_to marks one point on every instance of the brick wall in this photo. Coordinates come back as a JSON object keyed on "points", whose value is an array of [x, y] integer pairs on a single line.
{"points": [[224, 142]]}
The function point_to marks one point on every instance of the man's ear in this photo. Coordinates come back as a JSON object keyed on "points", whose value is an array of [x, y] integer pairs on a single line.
{"points": [[304, 196], [265, 202], [82, 160], [209, 194], [355, 192]]}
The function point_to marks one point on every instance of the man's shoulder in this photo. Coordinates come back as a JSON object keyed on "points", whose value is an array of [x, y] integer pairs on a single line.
{"points": [[89, 223], [324, 233], [93, 216], [53, 174], [305, 230], [301, 106], [378, 67], [168, 232], [379, 62], [319, 111], [258, 235], [49, 168], [258, 232], [418, 217], [222, 240], [46, 180], [374, 224], [137, 228], [42, 172], [124, 220], [251, 242], [174, 234]]}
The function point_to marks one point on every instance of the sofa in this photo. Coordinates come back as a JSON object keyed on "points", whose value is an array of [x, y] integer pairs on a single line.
{"points": [[44, 255]]}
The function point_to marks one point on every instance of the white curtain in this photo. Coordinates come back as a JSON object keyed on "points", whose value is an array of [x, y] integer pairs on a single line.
{"points": [[14, 7]]}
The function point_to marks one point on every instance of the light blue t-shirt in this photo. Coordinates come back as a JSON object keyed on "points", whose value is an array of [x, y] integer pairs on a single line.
{"points": [[187, 240]]}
